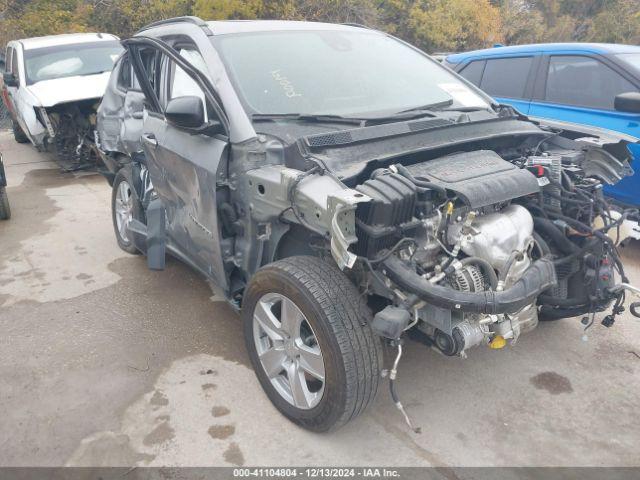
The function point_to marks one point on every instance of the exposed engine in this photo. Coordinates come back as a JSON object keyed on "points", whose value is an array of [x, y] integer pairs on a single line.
{"points": [[468, 246], [70, 128]]}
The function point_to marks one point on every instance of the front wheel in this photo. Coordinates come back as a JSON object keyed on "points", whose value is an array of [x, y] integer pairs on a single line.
{"points": [[18, 133], [308, 336]]}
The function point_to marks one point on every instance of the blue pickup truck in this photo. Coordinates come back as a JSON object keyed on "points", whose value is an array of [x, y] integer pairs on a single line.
{"points": [[585, 83]]}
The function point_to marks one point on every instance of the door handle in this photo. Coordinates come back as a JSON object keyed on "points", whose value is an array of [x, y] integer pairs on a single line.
{"points": [[150, 138]]}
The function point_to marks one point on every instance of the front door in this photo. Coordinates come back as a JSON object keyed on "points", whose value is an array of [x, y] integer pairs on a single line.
{"points": [[183, 164], [9, 92]]}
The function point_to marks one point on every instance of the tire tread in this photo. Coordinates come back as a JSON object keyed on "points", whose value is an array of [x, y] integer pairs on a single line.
{"points": [[349, 318]]}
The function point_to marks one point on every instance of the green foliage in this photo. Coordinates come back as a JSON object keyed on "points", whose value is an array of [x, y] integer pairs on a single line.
{"points": [[618, 24], [452, 25], [444, 25], [228, 9]]}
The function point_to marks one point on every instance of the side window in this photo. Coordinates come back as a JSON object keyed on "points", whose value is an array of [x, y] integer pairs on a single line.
{"points": [[151, 64], [584, 82], [181, 84], [125, 74], [14, 63], [473, 72], [7, 59], [506, 77], [151, 60]]}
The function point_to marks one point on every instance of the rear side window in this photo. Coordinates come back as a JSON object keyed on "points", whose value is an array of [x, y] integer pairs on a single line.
{"points": [[506, 77], [14, 63], [7, 59], [473, 72], [151, 64], [125, 74], [584, 82]]}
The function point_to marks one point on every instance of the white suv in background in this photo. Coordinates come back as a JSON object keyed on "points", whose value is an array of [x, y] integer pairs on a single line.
{"points": [[52, 86]]}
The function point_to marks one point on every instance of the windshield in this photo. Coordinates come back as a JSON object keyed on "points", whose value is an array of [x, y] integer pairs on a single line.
{"points": [[337, 73], [70, 60], [631, 59]]}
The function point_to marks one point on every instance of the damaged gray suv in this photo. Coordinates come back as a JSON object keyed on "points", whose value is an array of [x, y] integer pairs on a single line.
{"points": [[345, 191]]}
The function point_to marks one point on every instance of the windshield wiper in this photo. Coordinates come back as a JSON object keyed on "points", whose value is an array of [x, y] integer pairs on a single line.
{"points": [[427, 107], [467, 109], [413, 112], [306, 117]]}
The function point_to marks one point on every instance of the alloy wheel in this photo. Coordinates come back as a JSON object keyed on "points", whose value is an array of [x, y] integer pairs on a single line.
{"points": [[288, 350]]}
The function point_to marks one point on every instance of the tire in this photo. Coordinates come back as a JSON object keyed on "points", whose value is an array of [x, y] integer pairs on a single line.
{"points": [[124, 180], [5, 210], [18, 133], [338, 320]]}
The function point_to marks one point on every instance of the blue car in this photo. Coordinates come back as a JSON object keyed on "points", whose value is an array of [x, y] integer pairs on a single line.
{"points": [[584, 83]]}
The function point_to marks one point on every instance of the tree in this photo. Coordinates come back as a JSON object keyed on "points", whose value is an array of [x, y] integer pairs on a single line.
{"points": [[430, 24], [125, 17], [618, 23], [228, 9], [454, 25], [521, 22], [46, 17]]}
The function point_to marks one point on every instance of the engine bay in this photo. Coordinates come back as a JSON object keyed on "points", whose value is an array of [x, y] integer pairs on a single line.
{"points": [[471, 248], [71, 133]]}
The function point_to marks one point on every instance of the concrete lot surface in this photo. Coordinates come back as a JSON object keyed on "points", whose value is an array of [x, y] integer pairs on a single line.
{"points": [[103, 362]]}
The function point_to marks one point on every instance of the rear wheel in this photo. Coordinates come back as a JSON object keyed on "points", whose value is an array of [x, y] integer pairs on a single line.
{"points": [[5, 211], [308, 336], [125, 207], [18, 133]]}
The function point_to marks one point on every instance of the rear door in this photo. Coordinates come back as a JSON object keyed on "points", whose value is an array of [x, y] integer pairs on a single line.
{"points": [[121, 111], [183, 164], [582, 89]]}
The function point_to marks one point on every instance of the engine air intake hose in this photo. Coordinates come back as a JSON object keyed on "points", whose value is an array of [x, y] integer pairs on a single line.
{"points": [[540, 276]]}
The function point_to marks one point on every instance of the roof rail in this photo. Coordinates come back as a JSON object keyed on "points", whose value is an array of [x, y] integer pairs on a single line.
{"points": [[187, 19]]}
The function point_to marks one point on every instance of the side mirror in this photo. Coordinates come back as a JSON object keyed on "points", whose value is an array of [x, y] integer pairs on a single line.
{"points": [[9, 79], [628, 102], [188, 113], [185, 112]]}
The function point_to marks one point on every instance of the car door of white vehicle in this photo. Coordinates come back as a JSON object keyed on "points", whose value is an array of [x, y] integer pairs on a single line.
{"points": [[10, 88], [183, 162], [21, 101]]}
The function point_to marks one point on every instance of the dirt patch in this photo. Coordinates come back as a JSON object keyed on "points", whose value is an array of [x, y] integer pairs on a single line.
{"points": [[162, 433], [159, 399], [209, 386], [233, 455], [221, 432], [552, 382], [219, 411]]}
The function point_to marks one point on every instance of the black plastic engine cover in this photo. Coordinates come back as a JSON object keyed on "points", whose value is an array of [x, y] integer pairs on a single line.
{"points": [[389, 215], [479, 178]]}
